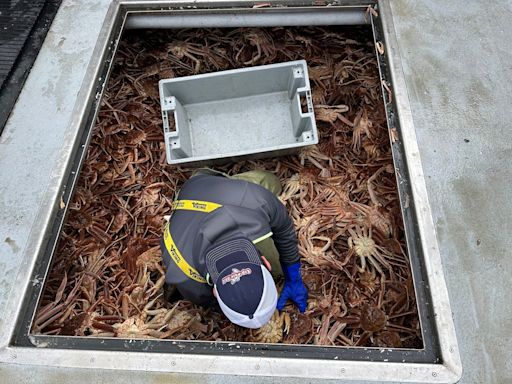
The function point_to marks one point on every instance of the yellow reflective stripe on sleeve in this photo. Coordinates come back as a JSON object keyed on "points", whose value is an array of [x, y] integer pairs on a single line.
{"points": [[261, 238], [195, 205], [179, 260]]}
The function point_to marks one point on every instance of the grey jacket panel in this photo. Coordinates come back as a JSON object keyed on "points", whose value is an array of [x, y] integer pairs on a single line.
{"points": [[248, 210]]}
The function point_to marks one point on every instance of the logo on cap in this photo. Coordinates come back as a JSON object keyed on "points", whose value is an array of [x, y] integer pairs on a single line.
{"points": [[235, 275]]}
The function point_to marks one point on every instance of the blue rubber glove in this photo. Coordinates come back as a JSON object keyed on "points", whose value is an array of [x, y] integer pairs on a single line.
{"points": [[294, 288]]}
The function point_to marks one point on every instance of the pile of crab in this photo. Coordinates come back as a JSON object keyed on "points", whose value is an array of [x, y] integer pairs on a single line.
{"points": [[107, 276]]}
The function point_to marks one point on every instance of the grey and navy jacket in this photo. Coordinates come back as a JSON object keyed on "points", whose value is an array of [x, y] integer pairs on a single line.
{"points": [[248, 210]]}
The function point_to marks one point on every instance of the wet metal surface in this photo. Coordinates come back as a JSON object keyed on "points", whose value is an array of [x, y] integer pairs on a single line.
{"points": [[458, 73], [48, 97]]}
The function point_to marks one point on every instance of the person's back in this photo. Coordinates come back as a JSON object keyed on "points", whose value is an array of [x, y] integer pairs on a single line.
{"points": [[213, 210]]}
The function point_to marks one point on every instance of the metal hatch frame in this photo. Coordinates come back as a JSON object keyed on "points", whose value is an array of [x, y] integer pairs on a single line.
{"points": [[438, 361]]}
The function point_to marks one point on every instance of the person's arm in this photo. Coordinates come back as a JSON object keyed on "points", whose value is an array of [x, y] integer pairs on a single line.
{"points": [[285, 241], [283, 231]]}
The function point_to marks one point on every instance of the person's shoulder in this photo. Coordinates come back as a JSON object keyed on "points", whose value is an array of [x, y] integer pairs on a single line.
{"points": [[257, 197], [200, 180], [259, 190]]}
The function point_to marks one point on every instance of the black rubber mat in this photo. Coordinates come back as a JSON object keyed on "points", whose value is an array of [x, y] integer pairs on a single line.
{"points": [[17, 18], [23, 27]]}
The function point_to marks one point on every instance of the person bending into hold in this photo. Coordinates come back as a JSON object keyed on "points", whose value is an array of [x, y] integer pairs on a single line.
{"points": [[227, 239]]}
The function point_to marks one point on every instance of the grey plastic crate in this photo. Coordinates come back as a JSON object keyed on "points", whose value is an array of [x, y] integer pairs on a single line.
{"points": [[250, 112]]}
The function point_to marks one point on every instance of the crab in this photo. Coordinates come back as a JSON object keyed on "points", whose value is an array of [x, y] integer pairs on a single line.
{"points": [[313, 279], [181, 49], [300, 185], [318, 74], [264, 46], [120, 220], [332, 202], [362, 243], [150, 195], [291, 188], [372, 318], [362, 125], [387, 339], [369, 318], [89, 286], [330, 114], [317, 250], [87, 220], [369, 183], [179, 320], [151, 259], [131, 328], [314, 156], [89, 324], [328, 332], [369, 280], [147, 88], [159, 323], [318, 255], [301, 328], [273, 331]]}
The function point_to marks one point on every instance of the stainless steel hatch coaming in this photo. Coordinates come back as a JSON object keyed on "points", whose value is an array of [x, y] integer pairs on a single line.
{"points": [[439, 361]]}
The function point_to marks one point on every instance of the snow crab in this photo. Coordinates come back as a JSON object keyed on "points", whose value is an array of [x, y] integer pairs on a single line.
{"points": [[273, 331], [364, 246]]}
